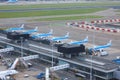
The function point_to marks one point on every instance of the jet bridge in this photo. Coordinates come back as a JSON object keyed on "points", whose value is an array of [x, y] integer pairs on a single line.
{"points": [[6, 49]]}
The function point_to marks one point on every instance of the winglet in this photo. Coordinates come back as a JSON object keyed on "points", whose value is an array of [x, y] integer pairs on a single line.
{"points": [[51, 31], [22, 26], [86, 39], [110, 42], [36, 28], [67, 35]]}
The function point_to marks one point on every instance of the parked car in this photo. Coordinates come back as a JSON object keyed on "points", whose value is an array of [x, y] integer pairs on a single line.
{"points": [[40, 75]]}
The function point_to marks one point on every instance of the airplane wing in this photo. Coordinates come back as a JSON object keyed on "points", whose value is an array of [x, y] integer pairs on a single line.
{"points": [[61, 38], [102, 46], [42, 35], [12, 1], [15, 29], [2, 77], [8, 72], [79, 42]]}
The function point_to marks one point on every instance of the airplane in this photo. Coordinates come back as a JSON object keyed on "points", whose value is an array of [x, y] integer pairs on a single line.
{"points": [[12, 1], [80, 42], [58, 39], [15, 29], [31, 31], [42, 35], [5, 73], [11, 70], [100, 48]]}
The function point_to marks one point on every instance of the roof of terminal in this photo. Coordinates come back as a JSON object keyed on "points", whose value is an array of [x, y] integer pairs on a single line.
{"points": [[97, 63]]}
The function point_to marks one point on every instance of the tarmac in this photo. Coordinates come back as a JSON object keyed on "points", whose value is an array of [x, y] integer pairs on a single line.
{"points": [[31, 75], [59, 27]]}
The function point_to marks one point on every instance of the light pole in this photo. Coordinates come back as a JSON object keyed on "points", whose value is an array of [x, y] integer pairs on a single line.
{"points": [[91, 69], [52, 53], [51, 43], [91, 75], [21, 38]]}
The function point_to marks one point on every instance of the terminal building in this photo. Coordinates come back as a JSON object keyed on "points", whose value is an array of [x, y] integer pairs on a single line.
{"points": [[90, 66]]}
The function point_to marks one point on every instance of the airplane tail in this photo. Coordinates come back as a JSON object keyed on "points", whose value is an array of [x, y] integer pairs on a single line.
{"points": [[12, 1], [51, 31], [22, 26], [109, 43], [86, 39], [67, 35], [36, 29]]}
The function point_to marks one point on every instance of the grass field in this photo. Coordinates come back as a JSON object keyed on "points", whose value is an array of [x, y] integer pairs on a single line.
{"points": [[9, 7], [70, 11], [47, 13], [68, 18], [118, 10]]}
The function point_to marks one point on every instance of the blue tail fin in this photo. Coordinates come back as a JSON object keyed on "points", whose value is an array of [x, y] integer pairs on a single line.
{"points": [[36, 29], [22, 26], [109, 43], [86, 39], [12, 1], [67, 35], [51, 31]]}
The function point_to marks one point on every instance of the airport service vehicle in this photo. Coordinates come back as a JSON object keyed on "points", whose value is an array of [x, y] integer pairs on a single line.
{"points": [[40, 75]]}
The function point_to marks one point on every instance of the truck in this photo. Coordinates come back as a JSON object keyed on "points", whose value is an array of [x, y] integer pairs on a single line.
{"points": [[103, 53]]}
